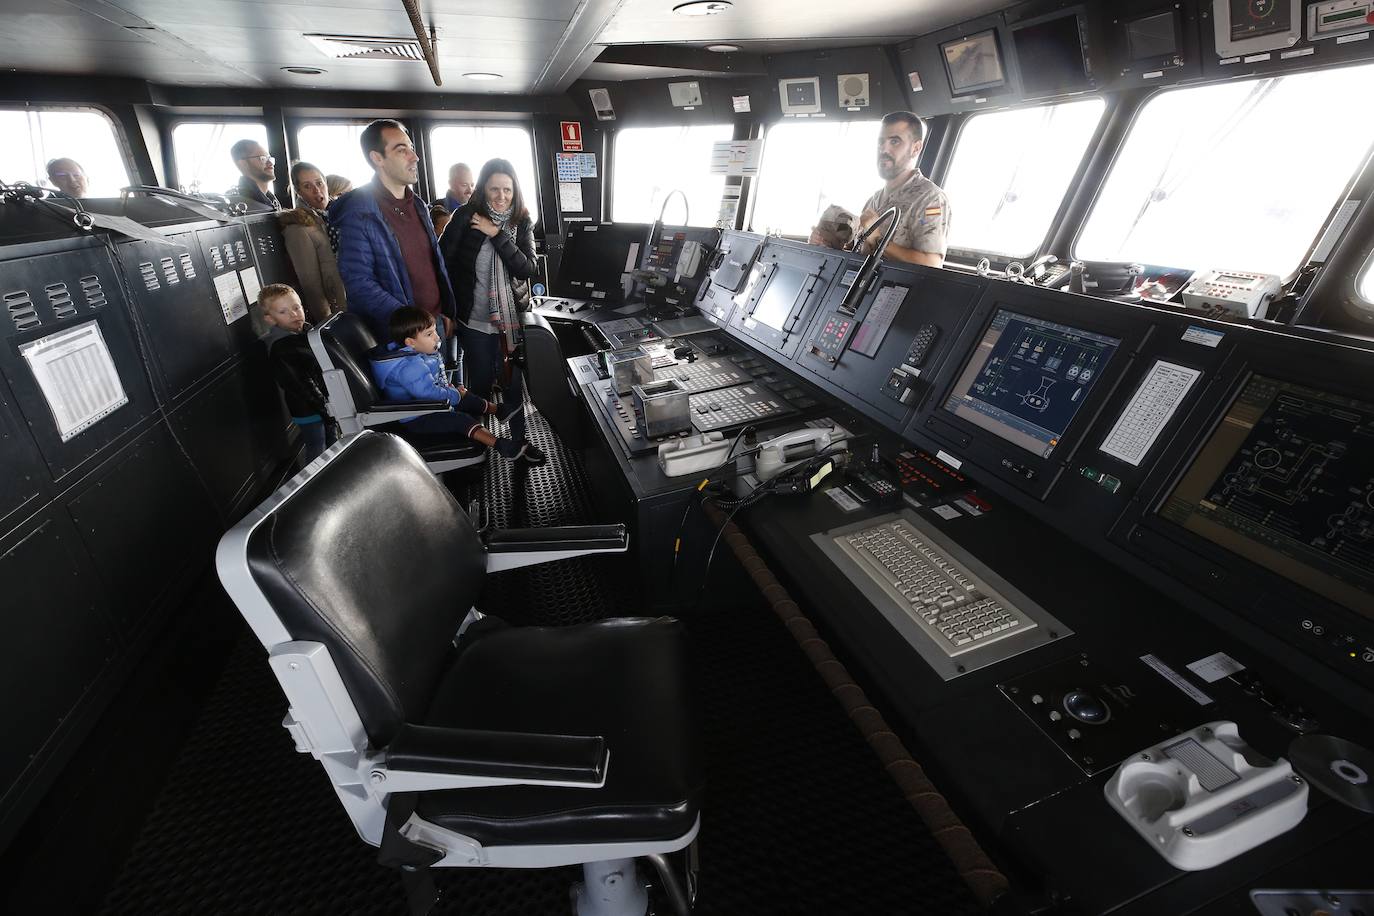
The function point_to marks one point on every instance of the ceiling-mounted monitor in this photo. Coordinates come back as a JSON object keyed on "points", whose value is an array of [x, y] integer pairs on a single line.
{"points": [[1254, 26], [1053, 55], [973, 63], [1153, 41], [800, 95]]}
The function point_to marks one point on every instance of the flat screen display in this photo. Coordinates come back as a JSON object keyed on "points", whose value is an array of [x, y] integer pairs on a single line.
{"points": [[1151, 37], [974, 63], [1257, 18], [1287, 481], [598, 259], [779, 297], [1051, 57], [1028, 379]]}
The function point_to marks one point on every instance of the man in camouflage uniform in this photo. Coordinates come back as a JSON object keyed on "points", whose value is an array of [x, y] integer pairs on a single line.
{"points": [[923, 211]]}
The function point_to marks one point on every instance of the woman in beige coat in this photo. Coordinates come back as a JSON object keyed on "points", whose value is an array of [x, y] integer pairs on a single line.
{"points": [[307, 243]]}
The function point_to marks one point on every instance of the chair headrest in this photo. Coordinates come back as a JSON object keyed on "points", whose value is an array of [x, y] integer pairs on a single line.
{"points": [[350, 342], [372, 557]]}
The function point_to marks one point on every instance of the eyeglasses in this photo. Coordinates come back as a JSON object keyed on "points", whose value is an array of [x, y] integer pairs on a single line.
{"points": [[260, 160]]}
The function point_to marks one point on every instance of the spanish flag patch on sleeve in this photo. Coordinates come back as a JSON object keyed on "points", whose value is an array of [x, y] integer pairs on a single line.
{"points": [[932, 212]]}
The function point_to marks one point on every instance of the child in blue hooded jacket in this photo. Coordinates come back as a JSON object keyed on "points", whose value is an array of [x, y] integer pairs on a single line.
{"points": [[410, 369]]}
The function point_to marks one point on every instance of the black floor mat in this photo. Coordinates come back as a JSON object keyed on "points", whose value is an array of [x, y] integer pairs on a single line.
{"points": [[799, 817]]}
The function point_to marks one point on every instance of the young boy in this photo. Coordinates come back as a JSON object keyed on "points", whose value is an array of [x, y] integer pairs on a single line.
{"points": [[410, 369], [294, 366]]}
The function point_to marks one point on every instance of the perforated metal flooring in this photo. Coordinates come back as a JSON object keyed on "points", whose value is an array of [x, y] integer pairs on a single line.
{"points": [[799, 817]]}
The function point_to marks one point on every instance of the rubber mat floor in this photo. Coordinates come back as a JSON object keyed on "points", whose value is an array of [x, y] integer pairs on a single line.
{"points": [[799, 817]]}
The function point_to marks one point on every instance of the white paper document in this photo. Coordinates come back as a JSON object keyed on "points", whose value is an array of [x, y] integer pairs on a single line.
{"points": [[570, 196], [1149, 411], [736, 157], [249, 278], [74, 371], [231, 299]]}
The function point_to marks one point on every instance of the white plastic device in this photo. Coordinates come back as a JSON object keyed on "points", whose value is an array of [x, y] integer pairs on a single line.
{"points": [[1239, 292], [797, 445], [1204, 797], [692, 455]]}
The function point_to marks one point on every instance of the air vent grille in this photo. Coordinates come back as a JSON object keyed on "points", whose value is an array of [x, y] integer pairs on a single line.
{"points": [[188, 267], [367, 47], [216, 259], [169, 270], [229, 254], [149, 274], [21, 310], [94, 292], [60, 299], [243, 252]]}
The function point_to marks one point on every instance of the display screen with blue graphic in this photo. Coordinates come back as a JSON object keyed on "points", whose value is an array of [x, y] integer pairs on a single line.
{"points": [[1029, 378]]}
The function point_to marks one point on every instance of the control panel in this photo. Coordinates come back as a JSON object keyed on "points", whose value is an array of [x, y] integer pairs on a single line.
{"points": [[1233, 292], [727, 407]]}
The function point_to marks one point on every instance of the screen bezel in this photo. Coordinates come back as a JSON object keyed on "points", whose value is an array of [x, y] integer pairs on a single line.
{"points": [[1154, 61], [797, 256], [1229, 47], [976, 88], [997, 456], [1086, 74], [578, 235]]}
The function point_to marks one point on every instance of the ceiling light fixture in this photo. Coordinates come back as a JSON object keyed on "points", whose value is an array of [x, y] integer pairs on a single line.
{"points": [[304, 71], [723, 49], [702, 7], [482, 76]]}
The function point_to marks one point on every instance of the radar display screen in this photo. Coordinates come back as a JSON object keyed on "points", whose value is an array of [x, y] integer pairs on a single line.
{"points": [[1287, 481], [1051, 55], [1257, 18], [973, 63], [1028, 379]]}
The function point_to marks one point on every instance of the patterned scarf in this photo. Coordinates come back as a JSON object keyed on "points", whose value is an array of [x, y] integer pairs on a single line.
{"points": [[501, 301]]}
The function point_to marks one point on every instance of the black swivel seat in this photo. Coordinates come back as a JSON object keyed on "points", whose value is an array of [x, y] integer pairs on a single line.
{"points": [[451, 738], [546, 377], [342, 346]]}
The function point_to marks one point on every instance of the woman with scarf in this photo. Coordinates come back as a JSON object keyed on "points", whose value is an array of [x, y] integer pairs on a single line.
{"points": [[306, 235], [487, 247]]}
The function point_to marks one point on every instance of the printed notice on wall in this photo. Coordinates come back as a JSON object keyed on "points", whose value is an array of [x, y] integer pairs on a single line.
{"points": [[77, 377], [249, 277], [231, 299], [570, 196], [736, 157]]}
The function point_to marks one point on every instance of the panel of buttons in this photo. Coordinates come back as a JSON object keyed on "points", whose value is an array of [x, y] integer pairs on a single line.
{"points": [[735, 406], [704, 375], [829, 343]]}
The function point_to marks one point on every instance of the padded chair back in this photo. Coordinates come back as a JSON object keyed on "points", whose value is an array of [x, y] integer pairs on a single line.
{"points": [[546, 376], [372, 557], [349, 341]]}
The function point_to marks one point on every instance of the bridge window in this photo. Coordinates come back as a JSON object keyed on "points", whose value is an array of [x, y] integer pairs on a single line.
{"points": [[1010, 171], [1238, 175], [1366, 286], [201, 151], [335, 149], [475, 144], [809, 165], [33, 137], [652, 162]]}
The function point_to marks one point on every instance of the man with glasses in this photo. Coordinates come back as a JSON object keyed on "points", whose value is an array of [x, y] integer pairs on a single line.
{"points": [[68, 176], [388, 252], [258, 170]]}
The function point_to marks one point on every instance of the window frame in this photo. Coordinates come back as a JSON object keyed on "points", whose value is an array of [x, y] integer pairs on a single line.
{"points": [[972, 256], [126, 153], [429, 125], [169, 148], [611, 157], [1105, 173], [1364, 279]]}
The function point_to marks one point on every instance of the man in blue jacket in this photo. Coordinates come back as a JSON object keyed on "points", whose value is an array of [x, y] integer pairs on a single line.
{"points": [[388, 252]]}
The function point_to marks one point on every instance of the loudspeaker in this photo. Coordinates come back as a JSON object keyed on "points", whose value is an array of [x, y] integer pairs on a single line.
{"points": [[853, 90], [601, 103]]}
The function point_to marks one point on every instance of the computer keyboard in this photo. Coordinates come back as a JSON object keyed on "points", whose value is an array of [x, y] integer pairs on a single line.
{"points": [[955, 608]]}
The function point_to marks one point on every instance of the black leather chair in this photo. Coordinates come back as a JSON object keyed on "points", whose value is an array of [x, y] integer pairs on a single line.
{"points": [[546, 378], [342, 346], [451, 738]]}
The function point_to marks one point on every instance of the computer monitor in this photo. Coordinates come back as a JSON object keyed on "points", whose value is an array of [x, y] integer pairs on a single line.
{"points": [[598, 259], [1284, 481], [1028, 378], [973, 63], [1153, 38], [1052, 55]]}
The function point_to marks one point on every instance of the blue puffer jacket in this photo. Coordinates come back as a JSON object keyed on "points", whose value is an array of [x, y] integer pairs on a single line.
{"points": [[370, 262], [405, 375]]}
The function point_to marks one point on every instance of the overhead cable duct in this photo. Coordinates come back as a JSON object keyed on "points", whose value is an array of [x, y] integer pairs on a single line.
{"points": [[427, 42]]}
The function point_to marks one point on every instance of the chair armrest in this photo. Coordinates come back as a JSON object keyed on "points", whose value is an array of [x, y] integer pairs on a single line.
{"points": [[515, 547], [392, 411], [423, 757]]}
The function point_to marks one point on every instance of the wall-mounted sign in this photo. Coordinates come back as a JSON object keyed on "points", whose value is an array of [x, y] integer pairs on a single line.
{"points": [[572, 136]]}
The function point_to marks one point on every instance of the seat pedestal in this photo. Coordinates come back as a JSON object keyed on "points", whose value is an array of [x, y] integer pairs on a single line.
{"points": [[610, 888]]}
